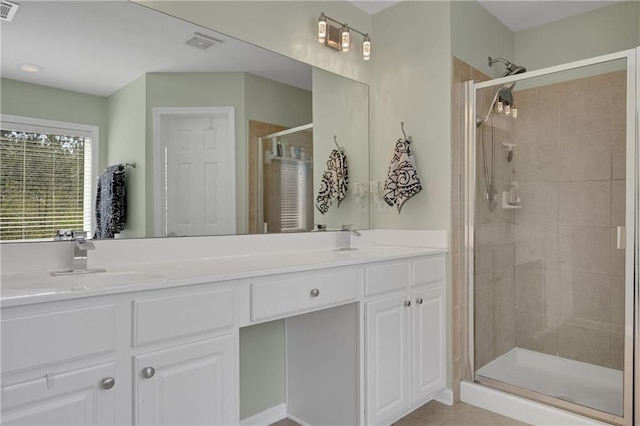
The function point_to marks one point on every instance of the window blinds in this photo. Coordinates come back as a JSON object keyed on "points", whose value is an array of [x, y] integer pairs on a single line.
{"points": [[293, 187], [44, 184]]}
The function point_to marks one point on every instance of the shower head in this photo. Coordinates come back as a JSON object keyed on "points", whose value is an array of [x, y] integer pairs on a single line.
{"points": [[511, 68]]}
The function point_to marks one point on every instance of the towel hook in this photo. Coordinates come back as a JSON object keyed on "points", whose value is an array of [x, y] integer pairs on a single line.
{"points": [[335, 140], [406, 138]]}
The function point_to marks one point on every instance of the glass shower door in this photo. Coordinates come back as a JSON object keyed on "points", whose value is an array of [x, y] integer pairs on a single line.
{"points": [[554, 200]]}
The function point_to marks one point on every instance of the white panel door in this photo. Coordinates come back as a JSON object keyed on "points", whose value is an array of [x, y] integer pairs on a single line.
{"points": [[428, 337], [70, 398], [200, 181], [190, 384], [387, 358]]}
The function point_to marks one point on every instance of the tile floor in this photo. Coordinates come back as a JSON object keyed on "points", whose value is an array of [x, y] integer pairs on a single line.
{"points": [[436, 414]]}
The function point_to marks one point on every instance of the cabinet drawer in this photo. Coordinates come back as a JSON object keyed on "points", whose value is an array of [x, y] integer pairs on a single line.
{"points": [[174, 316], [276, 298], [49, 338], [429, 270], [385, 278]]}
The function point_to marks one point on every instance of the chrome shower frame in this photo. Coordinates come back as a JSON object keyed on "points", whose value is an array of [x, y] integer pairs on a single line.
{"points": [[632, 258]]}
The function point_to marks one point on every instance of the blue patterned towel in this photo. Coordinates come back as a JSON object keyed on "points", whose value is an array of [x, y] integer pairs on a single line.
{"points": [[110, 202], [402, 181]]}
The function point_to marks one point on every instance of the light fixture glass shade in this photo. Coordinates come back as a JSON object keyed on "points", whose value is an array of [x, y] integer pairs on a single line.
{"points": [[322, 28], [500, 106], [346, 38], [514, 112], [507, 109], [366, 48]]}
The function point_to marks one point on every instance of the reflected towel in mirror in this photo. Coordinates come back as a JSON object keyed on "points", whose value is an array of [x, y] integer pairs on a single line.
{"points": [[110, 202], [334, 182], [402, 179]]}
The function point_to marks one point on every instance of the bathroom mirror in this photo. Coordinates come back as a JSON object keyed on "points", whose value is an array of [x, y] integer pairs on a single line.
{"points": [[136, 74]]}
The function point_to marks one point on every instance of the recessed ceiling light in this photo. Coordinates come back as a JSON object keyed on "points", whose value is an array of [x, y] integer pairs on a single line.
{"points": [[30, 68]]}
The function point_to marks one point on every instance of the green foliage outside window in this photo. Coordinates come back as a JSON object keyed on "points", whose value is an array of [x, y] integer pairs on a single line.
{"points": [[41, 184]]}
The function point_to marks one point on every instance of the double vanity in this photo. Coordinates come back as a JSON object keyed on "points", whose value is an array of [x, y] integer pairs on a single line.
{"points": [[158, 342]]}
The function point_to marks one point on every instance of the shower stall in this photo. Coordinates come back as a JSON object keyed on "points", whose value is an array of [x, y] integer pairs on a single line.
{"points": [[551, 195]]}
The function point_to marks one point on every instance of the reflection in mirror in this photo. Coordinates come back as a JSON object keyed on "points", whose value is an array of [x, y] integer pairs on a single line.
{"points": [[141, 84]]}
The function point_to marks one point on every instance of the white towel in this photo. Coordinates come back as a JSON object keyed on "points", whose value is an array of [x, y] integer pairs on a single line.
{"points": [[402, 180], [334, 182]]}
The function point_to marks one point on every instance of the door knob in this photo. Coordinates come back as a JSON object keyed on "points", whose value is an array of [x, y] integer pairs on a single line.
{"points": [[148, 372], [108, 382], [419, 301], [315, 292], [407, 303]]}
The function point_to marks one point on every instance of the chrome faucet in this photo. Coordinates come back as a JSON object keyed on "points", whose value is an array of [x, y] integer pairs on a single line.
{"points": [[80, 247], [345, 238], [79, 262]]}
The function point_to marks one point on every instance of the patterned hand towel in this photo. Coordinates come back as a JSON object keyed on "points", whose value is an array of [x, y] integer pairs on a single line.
{"points": [[334, 182], [110, 202], [402, 181]]}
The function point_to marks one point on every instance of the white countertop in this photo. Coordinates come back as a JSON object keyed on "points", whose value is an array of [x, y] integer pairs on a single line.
{"points": [[22, 288]]}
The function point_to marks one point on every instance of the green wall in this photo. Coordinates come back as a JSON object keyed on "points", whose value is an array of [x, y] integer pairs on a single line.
{"points": [[477, 34], [199, 90], [33, 100], [126, 145], [601, 31]]}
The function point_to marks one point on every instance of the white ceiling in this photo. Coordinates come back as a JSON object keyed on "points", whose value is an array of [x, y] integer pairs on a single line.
{"points": [[517, 15], [97, 47]]}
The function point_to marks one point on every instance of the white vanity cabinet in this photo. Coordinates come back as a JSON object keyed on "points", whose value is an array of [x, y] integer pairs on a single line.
{"points": [[58, 364], [190, 384], [404, 336], [83, 396], [193, 382]]}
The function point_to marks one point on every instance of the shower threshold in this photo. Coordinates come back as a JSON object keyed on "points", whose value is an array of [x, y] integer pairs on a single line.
{"points": [[577, 382]]}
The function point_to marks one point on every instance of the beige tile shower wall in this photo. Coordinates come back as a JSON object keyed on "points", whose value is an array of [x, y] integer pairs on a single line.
{"points": [[569, 280]]}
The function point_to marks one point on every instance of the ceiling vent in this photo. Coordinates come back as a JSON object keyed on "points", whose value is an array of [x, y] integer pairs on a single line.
{"points": [[199, 41], [8, 10]]}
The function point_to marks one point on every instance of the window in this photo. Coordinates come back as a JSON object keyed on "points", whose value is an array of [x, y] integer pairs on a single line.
{"points": [[45, 177], [293, 205]]}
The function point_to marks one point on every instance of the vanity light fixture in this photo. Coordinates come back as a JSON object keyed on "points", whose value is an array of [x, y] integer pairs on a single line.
{"points": [[31, 68], [322, 28], [338, 37]]}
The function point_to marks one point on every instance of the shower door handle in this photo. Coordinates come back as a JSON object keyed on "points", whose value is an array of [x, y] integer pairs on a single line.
{"points": [[621, 237]]}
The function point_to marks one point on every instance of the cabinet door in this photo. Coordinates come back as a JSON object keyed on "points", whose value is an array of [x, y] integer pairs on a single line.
{"points": [[75, 397], [387, 358], [190, 384], [429, 340]]}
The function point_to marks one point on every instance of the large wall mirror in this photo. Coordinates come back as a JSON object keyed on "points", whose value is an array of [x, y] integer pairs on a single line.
{"points": [[211, 135]]}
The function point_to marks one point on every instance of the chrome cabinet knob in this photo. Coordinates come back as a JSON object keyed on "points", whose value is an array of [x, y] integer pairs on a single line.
{"points": [[315, 292], [108, 382], [419, 301], [148, 372], [407, 303]]}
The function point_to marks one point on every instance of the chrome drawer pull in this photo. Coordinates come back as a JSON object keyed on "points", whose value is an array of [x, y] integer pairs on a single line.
{"points": [[108, 382], [148, 372], [419, 301], [407, 303], [315, 292]]}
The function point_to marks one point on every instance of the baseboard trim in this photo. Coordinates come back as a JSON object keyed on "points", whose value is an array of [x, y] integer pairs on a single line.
{"points": [[445, 396], [266, 417], [298, 420]]}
